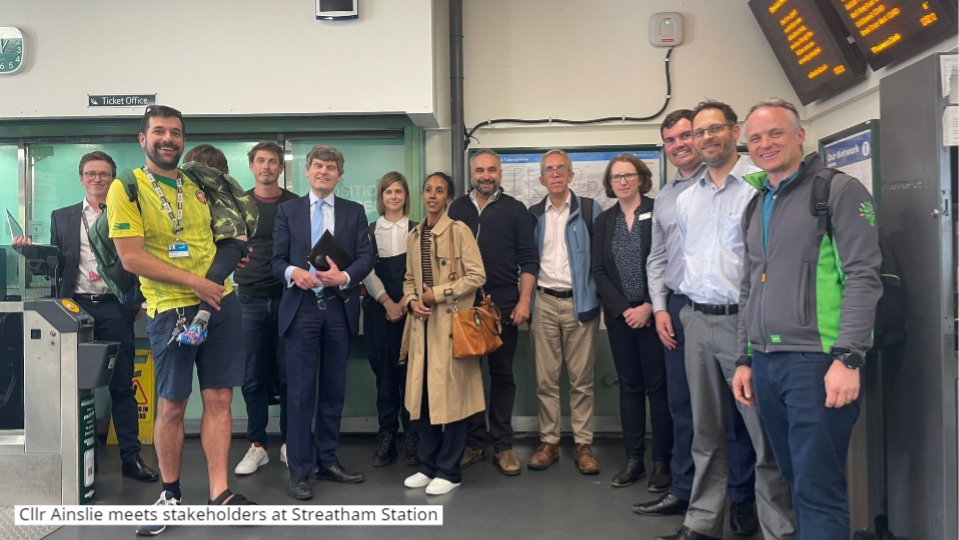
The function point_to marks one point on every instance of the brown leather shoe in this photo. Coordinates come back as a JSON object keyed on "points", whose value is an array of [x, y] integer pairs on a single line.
{"points": [[471, 456], [507, 463], [585, 460], [545, 455]]}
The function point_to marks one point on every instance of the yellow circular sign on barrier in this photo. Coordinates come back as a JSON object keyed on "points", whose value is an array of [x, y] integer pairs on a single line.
{"points": [[71, 307]]}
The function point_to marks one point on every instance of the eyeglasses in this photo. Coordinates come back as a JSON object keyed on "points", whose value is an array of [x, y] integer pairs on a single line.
{"points": [[713, 130], [90, 175], [562, 169], [628, 177], [683, 137]]}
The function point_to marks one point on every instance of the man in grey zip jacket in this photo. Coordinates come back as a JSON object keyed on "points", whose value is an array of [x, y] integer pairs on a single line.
{"points": [[807, 308]]}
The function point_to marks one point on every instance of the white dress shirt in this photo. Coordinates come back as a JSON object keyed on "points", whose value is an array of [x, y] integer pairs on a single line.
{"points": [[87, 262], [390, 242], [710, 224], [328, 225], [554, 272]]}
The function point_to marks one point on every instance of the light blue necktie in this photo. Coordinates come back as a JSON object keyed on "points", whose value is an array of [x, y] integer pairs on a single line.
{"points": [[316, 231]]}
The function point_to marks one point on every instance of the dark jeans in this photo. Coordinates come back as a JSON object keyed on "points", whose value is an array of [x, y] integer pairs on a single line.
{"points": [[502, 394], [113, 321], [638, 355], [742, 457], [441, 446], [810, 441], [264, 357], [317, 343], [383, 342]]}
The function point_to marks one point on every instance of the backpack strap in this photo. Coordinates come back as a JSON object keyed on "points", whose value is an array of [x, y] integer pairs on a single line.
{"points": [[819, 203], [586, 210], [130, 183]]}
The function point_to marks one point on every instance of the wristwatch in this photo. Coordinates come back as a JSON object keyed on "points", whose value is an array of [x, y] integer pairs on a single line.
{"points": [[850, 359]]}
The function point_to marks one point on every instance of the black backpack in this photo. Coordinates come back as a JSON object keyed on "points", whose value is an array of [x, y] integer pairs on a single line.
{"points": [[890, 325], [104, 249], [586, 210]]}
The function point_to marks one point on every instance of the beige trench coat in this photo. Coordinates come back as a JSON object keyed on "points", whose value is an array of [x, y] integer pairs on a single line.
{"points": [[455, 385]]}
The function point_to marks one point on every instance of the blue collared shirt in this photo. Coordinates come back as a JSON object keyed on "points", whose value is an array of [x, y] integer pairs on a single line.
{"points": [[769, 201], [709, 220], [664, 267], [328, 225]]}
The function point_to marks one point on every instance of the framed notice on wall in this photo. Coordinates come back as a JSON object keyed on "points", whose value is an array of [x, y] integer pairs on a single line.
{"points": [[855, 151], [521, 171]]}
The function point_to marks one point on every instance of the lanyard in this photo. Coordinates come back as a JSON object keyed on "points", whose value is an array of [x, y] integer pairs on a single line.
{"points": [[86, 228], [178, 218]]}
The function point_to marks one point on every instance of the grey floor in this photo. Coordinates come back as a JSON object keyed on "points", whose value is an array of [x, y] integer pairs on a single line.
{"points": [[558, 503]]}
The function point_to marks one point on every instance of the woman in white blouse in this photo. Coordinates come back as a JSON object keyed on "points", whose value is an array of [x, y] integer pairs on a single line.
{"points": [[384, 317]]}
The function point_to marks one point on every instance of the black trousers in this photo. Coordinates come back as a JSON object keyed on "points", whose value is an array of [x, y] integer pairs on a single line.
{"points": [[113, 321], [638, 355], [441, 445], [502, 394], [383, 341]]}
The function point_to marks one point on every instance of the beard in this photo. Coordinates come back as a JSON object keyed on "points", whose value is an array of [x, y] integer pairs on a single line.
{"points": [[722, 158], [160, 161]]}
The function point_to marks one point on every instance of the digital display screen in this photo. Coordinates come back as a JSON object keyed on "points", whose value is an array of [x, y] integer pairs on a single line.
{"points": [[890, 30], [811, 46]]}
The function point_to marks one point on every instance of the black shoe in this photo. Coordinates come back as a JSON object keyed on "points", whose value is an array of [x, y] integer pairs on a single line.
{"points": [[667, 505], [139, 471], [684, 533], [337, 473], [299, 488], [742, 519], [632, 471], [411, 449], [661, 479], [385, 450]]}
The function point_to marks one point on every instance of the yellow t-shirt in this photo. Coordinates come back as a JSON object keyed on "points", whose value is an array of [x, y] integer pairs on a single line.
{"points": [[153, 224]]}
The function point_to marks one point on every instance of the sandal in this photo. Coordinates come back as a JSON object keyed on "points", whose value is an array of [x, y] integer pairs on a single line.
{"points": [[237, 500]]}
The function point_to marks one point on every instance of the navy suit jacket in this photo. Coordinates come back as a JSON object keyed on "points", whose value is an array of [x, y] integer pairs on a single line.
{"points": [[66, 226], [291, 246]]}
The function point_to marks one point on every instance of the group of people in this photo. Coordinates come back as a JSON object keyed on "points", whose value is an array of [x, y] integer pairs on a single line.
{"points": [[726, 306]]}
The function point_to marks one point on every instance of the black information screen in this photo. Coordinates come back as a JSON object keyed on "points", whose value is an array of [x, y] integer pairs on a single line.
{"points": [[890, 30], [810, 44]]}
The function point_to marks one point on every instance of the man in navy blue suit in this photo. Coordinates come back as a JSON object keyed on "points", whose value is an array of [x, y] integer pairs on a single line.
{"points": [[319, 311]]}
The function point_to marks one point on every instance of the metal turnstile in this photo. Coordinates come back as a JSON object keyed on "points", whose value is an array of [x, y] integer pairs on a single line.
{"points": [[49, 366]]}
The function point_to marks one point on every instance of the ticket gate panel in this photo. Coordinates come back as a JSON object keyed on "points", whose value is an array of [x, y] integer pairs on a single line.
{"points": [[44, 384]]}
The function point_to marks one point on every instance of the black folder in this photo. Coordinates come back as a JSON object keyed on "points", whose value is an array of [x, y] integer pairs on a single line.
{"points": [[325, 247]]}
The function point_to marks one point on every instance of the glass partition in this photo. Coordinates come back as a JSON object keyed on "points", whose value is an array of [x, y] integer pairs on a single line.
{"points": [[9, 189]]}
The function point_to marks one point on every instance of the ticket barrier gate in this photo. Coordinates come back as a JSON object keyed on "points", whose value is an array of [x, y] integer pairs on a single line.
{"points": [[49, 366]]}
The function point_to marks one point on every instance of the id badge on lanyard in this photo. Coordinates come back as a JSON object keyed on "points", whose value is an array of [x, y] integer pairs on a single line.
{"points": [[178, 249]]}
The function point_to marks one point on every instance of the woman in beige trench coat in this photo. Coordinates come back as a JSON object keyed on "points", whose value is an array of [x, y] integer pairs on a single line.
{"points": [[441, 392]]}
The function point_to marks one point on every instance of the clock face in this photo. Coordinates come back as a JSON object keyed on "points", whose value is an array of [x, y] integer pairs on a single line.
{"points": [[12, 50]]}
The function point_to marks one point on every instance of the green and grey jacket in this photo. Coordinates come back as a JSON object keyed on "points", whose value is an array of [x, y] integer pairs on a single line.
{"points": [[232, 210], [803, 293]]}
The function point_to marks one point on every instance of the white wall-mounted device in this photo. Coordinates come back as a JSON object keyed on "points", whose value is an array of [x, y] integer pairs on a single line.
{"points": [[337, 10], [666, 29]]}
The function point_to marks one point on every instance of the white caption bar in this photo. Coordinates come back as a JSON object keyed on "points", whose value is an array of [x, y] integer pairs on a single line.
{"points": [[229, 515]]}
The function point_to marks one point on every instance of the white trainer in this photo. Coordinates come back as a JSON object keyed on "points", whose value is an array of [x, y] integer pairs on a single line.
{"points": [[440, 486], [418, 480], [283, 455], [255, 458]]}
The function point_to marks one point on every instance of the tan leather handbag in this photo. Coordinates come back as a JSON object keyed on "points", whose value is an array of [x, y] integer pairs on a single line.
{"points": [[476, 331]]}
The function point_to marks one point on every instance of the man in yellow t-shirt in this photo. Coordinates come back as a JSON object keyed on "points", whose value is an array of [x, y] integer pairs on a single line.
{"points": [[165, 238]]}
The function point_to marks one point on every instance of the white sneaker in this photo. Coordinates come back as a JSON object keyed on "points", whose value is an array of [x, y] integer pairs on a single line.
{"points": [[166, 499], [283, 454], [440, 486], [255, 458], [417, 480]]}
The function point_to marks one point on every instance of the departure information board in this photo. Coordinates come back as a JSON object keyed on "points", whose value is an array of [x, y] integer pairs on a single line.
{"points": [[890, 30], [810, 44]]}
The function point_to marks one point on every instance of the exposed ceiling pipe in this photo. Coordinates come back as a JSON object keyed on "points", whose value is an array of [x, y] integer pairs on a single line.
{"points": [[457, 116]]}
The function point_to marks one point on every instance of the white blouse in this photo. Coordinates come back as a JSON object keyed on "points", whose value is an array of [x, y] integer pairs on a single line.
{"points": [[390, 242]]}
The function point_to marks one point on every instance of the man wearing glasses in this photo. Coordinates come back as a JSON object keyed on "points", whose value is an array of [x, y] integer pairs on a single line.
{"points": [[665, 271], [164, 236], [567, 312], [708, 217], [78, 278]]}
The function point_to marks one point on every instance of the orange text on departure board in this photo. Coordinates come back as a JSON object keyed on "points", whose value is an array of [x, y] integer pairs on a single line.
{"points": [[802, 40]]}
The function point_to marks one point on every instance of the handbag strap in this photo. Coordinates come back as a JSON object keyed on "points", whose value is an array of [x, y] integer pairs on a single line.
{"points": [[452, 254]]}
